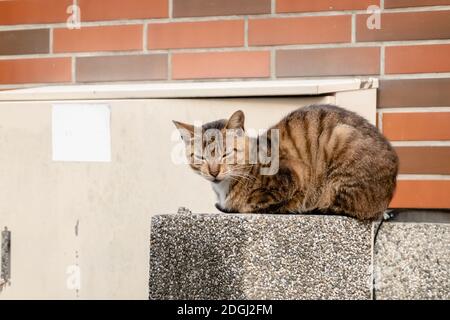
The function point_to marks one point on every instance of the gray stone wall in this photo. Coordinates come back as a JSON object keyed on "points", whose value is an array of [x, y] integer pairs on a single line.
{"points": [[242, 256], [412, 261]]}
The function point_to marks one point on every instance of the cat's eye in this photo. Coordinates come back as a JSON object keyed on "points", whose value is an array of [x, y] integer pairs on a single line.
{"points": [[199, 157]]}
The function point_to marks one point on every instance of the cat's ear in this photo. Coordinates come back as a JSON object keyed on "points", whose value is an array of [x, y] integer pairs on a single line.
{"points": [[186, 130], [236, 120]]}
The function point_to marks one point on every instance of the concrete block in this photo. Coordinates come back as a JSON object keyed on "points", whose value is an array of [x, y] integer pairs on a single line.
{"points": [[412, 261], [245, 256]]}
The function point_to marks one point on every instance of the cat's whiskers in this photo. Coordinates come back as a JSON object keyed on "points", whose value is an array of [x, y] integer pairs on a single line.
{"points": [[236, 176], [243, 176]]}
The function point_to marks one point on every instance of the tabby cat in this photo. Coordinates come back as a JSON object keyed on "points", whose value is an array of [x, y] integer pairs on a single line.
{"points": [[330, 160]]}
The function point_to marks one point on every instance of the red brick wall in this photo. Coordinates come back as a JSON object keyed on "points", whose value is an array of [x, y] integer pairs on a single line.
{"points": [[175, 40]]}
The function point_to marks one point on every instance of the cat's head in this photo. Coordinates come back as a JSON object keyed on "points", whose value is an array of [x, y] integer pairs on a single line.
{"points": [[216, 150]]}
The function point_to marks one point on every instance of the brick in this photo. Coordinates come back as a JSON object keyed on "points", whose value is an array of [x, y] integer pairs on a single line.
{"points": [[323, 5], [389, 4], [95, 10], [328, 62], [203, 34], [414, 93], [406, 26], [24, 42], [121, 68], [424, 160], [417, 59], [35, 70], [33, 11], [199, 8], [417, 126], [431, 194], [105, 38], [304, 30], [247, 64]]}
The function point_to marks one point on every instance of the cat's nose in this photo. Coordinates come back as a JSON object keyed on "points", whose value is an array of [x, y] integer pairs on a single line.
{"points": [[214, 170]]}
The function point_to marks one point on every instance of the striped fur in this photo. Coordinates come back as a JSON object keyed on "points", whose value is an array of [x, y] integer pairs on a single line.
{"points": [[331, 161]]}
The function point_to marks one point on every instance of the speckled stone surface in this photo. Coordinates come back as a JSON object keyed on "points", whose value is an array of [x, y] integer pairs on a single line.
{"points": [[412, 261], [237, 256], [5, 255]]}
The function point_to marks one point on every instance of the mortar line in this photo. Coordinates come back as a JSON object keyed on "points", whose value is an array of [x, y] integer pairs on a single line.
{"points": [[74, 68], [246, 32], [50, 41], [423, 177], [380, 121], [145, 38], [169, 65], [353, 31], [273, 59], [420, 143], [414, 109], [170, 9], [412, 76]]}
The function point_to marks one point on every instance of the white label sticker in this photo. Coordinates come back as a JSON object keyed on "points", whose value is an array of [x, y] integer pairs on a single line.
{"points": [[81, 132]]}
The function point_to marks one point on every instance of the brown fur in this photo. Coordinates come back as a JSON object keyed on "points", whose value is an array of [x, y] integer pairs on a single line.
{"points": [[330, 161]]}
